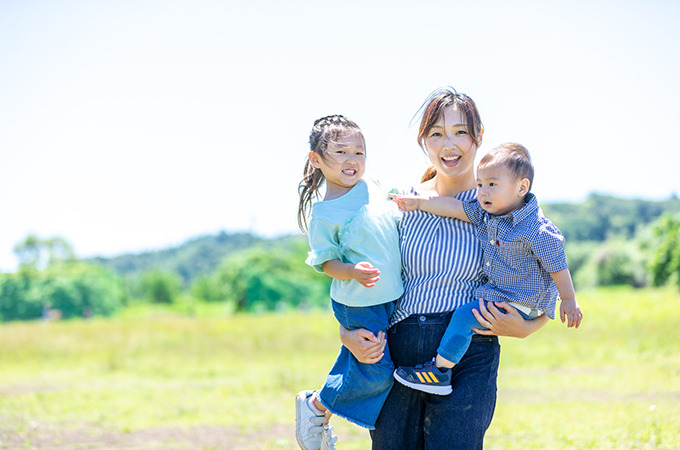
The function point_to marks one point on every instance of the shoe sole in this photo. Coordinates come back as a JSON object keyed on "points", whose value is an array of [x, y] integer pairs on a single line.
{"points": [[436, 390]]}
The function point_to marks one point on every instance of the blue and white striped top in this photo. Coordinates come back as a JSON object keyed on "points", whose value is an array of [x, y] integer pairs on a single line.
{"points": [[441, 263]]}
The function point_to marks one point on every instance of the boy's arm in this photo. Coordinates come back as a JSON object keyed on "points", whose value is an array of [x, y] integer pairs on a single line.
{"points": [[441, 206], [569, 308], [364, 272]]}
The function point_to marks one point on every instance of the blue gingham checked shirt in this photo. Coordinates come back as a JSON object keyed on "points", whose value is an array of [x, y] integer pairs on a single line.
{"points": [[521, 249]]}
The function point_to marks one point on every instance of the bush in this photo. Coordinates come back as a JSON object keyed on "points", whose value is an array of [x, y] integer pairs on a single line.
{"points": [[160, 287], [613, 262], [72, 288]]}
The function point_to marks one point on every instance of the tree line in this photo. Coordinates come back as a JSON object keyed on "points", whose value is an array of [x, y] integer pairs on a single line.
{"points": [[609, 241]]}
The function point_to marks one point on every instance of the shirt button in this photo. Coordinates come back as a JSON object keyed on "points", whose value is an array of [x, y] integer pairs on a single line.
{"points": [[488, 264], [491, 242]]}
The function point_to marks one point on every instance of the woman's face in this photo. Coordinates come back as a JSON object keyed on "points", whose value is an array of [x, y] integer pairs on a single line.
{"points": [[449, 145]]}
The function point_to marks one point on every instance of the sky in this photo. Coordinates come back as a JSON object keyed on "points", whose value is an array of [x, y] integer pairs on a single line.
{"points": [[134, 125]]}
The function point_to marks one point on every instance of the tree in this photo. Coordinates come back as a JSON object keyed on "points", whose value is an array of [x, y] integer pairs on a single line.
{"points": [[42, 253], [73, 289], [665, 262], [265, 278], [15, 303]]}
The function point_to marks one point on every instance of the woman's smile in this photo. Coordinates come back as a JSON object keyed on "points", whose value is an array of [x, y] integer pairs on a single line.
{"points": [[449, 145], [450, 160]]}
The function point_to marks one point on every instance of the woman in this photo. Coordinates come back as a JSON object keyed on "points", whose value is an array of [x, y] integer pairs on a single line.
{"points": [[441, 267]]}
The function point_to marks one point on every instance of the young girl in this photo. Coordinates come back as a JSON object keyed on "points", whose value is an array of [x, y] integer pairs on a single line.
{"points": [[354, 239]]}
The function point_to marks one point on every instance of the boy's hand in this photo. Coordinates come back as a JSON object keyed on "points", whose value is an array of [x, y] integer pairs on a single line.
{"points": [[405, 202], [366, 274], [570, 310]]}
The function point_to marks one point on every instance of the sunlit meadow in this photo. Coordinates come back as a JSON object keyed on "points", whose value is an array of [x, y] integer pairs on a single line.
{"points": [[613, 383]]}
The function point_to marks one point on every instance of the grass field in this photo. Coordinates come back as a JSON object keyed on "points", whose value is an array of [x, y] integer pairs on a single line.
{"points": [[156, 379]]}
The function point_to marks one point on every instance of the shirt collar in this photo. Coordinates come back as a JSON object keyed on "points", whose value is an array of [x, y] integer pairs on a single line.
{"points": [[517, 216]]}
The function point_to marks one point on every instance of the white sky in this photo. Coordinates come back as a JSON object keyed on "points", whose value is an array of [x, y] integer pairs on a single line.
{"points": [[131, 125]]}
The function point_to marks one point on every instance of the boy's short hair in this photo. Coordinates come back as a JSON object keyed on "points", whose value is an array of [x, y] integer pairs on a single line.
{"points": [[514, 157]]}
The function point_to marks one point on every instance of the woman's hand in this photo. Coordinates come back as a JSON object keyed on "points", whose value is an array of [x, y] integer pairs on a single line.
{"points": [[508, 323], [364, 345]]}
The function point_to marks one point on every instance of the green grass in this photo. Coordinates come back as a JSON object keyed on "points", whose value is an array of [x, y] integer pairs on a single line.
{"points": [[614, 383]]}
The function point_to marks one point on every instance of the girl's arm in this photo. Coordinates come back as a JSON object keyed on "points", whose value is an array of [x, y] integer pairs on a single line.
{"points": [[364, 345], [363, 272], [508, 323], [569, 308], [441, 206]]}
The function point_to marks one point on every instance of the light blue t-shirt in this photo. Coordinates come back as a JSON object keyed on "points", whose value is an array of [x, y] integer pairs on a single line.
{"points": [[359, 226]]}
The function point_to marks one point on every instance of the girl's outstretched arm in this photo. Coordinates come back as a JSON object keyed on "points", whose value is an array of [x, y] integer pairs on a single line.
{"points": [[364, 345], [508, 323]]}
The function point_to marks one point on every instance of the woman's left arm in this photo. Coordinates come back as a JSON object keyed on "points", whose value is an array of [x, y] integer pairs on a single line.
{"points": [[508, 323]]}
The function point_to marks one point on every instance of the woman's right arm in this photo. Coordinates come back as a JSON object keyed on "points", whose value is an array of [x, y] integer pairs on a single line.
{"points": [[364, 345], [509, 323]]}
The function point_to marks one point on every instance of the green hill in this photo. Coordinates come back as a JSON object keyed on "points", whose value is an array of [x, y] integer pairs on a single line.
{"points": [[601, 217], [195, 257]]}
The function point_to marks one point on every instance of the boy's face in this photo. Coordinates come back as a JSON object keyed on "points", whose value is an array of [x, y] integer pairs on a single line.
{"points": [[498, 191]]}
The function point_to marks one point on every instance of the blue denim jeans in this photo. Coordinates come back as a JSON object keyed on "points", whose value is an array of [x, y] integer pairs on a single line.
{"points": [[459, 333], [354, 390], [411, 419]]}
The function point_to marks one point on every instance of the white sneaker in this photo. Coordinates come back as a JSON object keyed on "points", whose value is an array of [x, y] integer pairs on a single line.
{"points": [[308, 423], [327, 439]]}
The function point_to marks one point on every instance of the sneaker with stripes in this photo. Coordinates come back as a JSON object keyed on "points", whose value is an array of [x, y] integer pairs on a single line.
{"points": [[426, 378], [309, 423]]}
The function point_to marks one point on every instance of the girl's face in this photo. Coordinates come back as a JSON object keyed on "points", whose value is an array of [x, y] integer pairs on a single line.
{"points": [[343, 164], [450, 146]]}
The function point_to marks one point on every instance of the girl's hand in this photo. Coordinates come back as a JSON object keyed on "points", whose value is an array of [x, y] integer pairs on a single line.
{"points": [[508, 323], [405, 202], [366, 274], [570, 310], [364, 345]]}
